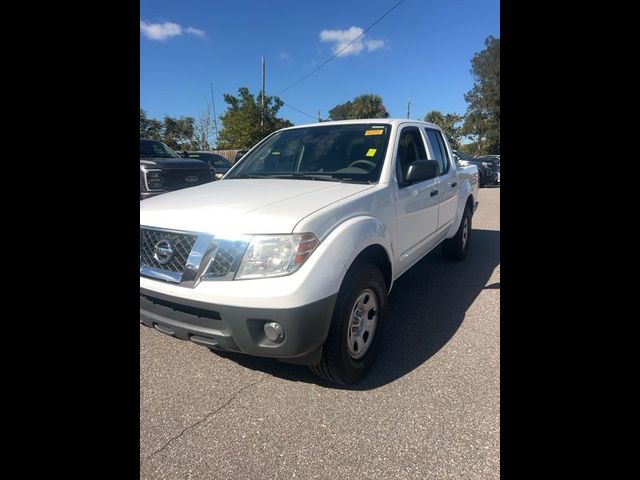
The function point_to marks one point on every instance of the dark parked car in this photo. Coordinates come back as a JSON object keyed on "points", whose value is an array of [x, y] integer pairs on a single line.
{"points": [[163, 170], [491, 158], [488, 168], [221, 164], [497, 157]]}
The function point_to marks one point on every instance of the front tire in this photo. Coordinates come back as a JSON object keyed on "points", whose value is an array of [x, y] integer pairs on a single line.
{"points": [[356, 326], [456, 248]]}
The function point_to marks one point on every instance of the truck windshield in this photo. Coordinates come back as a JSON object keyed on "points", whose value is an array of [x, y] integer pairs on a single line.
{"points": [[348, 153], [156, 149]]}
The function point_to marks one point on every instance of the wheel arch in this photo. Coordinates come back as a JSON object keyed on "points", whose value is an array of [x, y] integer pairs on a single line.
{"points": [[377, 255], [364, 238]]}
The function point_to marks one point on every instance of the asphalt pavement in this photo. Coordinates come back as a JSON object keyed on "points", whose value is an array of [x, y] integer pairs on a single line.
{"points": [[430, 408]]}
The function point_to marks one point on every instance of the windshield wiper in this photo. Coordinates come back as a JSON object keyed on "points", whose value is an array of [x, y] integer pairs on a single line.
{"points": [[304, 176], [246, 175]]}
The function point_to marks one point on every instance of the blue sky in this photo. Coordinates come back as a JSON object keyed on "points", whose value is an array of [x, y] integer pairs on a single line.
{"points": [[421, 50]]}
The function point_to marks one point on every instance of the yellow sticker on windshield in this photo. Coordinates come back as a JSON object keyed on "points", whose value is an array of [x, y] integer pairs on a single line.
{"points": [[371, 152], [373, 132]]}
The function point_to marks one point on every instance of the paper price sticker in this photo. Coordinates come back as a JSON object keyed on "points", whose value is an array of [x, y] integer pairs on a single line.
{"points": [[371, 152], [373, 132]]}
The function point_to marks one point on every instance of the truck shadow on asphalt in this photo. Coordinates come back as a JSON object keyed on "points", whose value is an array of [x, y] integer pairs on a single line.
{"points": [[427, 305]]}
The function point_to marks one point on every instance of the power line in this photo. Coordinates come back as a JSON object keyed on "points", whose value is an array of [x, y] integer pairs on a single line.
{"points": [[342, 50], [298, 110]]}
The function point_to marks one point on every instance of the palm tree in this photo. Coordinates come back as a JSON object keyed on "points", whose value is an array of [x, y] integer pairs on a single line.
{"points": [[368, 106]]}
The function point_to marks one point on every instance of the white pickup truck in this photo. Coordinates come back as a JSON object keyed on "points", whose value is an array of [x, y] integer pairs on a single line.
{"points": [[293, 253]]}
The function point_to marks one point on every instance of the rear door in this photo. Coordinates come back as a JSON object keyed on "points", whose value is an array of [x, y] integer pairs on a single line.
{"points": [[448, 185], [416, 204]]}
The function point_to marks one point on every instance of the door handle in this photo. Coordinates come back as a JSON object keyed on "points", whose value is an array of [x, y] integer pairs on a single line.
{"points": [[454, 184], [433, 193]]}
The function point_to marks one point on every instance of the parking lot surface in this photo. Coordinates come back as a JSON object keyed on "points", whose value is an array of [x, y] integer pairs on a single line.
{"points": [[429, 408]]}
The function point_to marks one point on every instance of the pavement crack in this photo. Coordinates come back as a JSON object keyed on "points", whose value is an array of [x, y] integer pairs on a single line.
{"points": [[208, 415]]}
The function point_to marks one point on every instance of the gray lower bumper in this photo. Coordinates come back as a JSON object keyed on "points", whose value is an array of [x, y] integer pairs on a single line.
{"points": [[240, 329]]}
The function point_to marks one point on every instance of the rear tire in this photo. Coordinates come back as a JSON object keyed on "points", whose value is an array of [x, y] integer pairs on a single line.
{"points": [[456, 248], [356, 326]]}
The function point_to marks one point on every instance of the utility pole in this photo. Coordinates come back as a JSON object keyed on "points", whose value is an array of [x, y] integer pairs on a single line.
{"points": [[263, 85], [215, 120], [409, 108]]}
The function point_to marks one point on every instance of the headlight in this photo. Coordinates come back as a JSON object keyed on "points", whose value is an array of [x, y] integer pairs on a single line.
{"points": [[154, 179], [463, 163], [276, 255], [486, 164]]}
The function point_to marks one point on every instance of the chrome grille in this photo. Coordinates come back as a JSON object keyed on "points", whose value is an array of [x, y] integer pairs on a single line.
{"points": [[181, 243], [227, 257]]}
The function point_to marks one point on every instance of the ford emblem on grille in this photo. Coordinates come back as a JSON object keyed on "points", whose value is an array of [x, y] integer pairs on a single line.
{"points": [[191, 178], [163, 252]]}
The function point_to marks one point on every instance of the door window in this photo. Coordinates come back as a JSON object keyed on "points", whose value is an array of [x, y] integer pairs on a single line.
{"points": [[410, 149], [439, 149]]}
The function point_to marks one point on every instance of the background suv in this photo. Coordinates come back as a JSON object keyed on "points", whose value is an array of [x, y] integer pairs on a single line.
{"points": [[488, 167], [163, 170]]}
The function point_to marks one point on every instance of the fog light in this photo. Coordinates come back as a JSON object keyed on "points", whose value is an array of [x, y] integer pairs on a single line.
{"points": [[274, 332]]}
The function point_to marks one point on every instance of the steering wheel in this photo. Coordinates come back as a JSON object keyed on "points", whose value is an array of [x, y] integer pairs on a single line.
{"points": [[368, 164]]}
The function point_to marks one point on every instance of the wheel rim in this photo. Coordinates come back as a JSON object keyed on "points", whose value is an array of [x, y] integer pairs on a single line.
{"points": [[465, 231], [362, 324]]}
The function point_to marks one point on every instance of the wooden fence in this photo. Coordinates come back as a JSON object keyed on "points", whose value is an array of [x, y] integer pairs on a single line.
{"points": [[228, 154]]}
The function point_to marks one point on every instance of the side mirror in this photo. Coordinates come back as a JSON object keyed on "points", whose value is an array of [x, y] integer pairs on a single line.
{"points": [[421, 170]]}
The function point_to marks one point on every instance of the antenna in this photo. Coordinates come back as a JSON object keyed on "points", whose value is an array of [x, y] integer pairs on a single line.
{"points": [[409, 109], [215, 120], [263, 84]]}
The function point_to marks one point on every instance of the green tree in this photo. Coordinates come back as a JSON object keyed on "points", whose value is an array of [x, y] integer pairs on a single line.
{"points": [[469, 148], [150, 127], [177, 133], [450, 125], [144, 122], [241, 123], [341, 111], [364, 106], [476, 127], [482, 122]]}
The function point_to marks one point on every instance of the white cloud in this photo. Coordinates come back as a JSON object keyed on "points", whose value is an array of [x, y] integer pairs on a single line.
{"points": [[341, 38], [196, 32], [284, 56], [374, 44], [163, 31]]}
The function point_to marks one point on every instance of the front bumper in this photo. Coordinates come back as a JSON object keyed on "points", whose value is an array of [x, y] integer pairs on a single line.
{"points": [[240, 329], [145, 195]]}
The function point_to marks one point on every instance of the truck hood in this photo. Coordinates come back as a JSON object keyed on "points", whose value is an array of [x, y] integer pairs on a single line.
{"points": [[173, 163], [243, 206]]}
